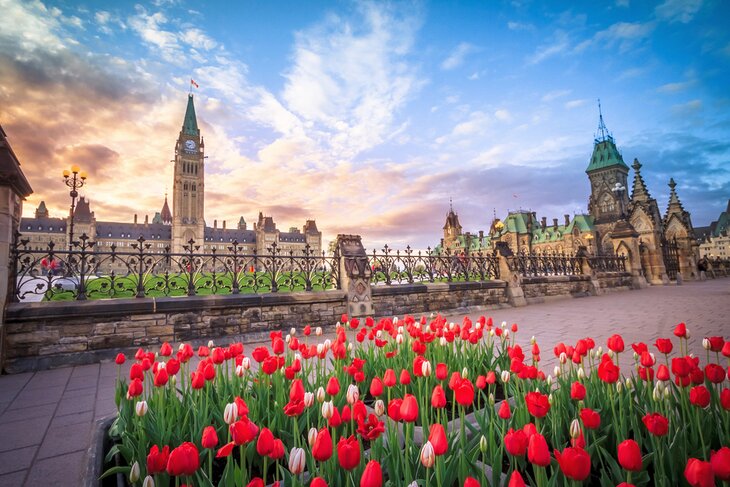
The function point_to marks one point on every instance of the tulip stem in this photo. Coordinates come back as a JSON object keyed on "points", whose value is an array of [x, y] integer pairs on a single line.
{"points": [[699, 428]]}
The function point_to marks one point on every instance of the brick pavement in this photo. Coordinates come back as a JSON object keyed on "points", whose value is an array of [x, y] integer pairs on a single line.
{"points": [[46, 418]]}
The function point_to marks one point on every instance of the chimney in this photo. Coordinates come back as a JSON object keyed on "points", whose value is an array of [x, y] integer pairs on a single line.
{"points": [[215, 223], [481, 235], [544, 222], [135, 218], [555, 223], [442, 243], [224, 224], [146, 219], [567, 220]]}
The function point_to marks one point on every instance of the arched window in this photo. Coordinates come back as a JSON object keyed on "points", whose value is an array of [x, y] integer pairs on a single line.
{"points": [[606, 203]]}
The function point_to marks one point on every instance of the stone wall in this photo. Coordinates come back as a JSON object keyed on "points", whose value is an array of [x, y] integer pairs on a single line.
{"points": [[614, 281], [44, 335], [540, 289], [435, 297]]}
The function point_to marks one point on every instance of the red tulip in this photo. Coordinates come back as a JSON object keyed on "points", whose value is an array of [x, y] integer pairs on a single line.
{"points": [[726, 349], [318, 482], [616, 343], [577, 391], [699, 396], [243, 431], [197, 380], [442, 371], [437, 437], [256, 482], [680, 330], [716, 343], [537, 450], [348, 452], [715, 373], [120, 359], [464, 392], [515, 442], [210, 438], [135, 388], [699, 473], [376, 387], [294, 408], [608, 371], [409, 408], [590, 418], [333, 386], [657, 424], [225, 450], [537, 404], [629, 455], [388, 380], [664, 345], [265, 443], [725, 398], [515, 480], [720, 461], [270, 365], [183, 460], [157, 460], [372, 476], [371, 429], [662, 372], [161, 377], [277, 452], [575, 463], [394, 409], [259, 354], [405, 377], [504, 410], [438, 397], [322, 446]]}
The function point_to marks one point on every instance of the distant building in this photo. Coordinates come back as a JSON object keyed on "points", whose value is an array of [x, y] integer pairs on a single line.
{"points": [[714, 239], [171, 229], [662, 246]]}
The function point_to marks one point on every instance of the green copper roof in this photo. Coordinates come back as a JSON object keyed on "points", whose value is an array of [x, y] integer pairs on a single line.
{"points": [[190, 124], [583, 222], [605, 154]]}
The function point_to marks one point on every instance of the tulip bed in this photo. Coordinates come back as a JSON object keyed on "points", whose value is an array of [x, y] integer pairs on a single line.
{"points": [[416, 402]]}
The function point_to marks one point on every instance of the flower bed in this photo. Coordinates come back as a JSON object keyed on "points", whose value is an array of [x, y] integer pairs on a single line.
{"points": [[356, 410]]}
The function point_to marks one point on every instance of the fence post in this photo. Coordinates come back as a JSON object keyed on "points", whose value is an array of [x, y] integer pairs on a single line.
{"points": [[587, 270], [14, 188], [355, 275], [514, 291]]}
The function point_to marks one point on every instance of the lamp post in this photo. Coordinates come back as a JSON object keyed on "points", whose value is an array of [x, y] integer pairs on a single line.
{"points": [[74, 179], [589, 237]]}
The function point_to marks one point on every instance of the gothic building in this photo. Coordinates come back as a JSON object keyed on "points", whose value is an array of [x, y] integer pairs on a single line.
{"points": [[659, 248], [174, 228]]}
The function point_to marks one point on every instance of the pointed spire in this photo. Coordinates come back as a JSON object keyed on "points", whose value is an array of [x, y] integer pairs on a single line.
{"points": [[166, 214], [639, 191], [190, 123], [673, 198], [451, 205], [602, 134], [675, 207]]}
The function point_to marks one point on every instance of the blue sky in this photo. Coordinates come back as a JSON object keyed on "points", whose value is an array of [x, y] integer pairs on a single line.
{"points": [[368, 116]]}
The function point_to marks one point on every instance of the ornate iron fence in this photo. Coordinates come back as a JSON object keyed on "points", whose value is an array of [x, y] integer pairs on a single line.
{"points": [[608, 263], [408, 266], [546, 264], [87, 272]]}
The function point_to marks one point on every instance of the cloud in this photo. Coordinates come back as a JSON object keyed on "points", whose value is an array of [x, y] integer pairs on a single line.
{"points": [[559, 45], [197, 39], [675, 87], [678, 10], [511, 25], [575, 104], [503, 115], [686, 109], [632, 73], [555, 94], [150, 28], [456, 58]]}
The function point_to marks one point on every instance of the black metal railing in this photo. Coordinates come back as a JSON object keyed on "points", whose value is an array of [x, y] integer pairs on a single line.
{"points": [[608, 263], [546, 264], [408, 266], [85, 271]]}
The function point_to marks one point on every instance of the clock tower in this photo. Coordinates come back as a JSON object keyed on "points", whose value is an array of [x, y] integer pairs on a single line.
{"points": [[188, 188]]}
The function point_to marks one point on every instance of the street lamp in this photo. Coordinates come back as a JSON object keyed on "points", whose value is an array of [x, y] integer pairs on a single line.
{"points": [[619, 189], [74, 179], [589, 237]]}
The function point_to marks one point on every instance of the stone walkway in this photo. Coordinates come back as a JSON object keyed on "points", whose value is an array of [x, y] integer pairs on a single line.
{"points": [[46, 418]]}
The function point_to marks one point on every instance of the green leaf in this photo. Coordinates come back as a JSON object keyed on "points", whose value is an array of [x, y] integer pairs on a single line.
{"points": [[115, 470]]}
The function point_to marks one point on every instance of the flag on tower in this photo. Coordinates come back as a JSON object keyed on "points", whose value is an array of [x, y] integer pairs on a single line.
{"points": [[192, 82]]}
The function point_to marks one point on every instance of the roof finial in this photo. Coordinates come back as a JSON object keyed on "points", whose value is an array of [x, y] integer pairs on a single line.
{"points": [[451, 204], [602, 130]]}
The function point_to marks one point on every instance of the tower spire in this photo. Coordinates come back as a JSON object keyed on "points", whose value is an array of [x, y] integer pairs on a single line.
{"points": [[639, 191], [602, 134], [190, 122]]}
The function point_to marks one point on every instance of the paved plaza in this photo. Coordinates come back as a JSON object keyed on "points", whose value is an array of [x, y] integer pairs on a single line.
{"points": [[47, 418]]}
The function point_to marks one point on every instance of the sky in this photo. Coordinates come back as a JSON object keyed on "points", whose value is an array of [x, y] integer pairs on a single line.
{"points": [[368, 116]]}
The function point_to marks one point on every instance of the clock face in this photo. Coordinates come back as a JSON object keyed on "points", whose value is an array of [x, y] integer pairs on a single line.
{"points": [[190, 144]]}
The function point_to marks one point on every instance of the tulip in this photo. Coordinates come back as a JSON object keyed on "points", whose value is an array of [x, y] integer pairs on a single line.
{"points": [[140, 408], [409, 408], [353, 394], [505, 376], [308, 399], [230, 413], [438, 440], [471, 482], [333, 386], [135, 388], [699, 473], [720, 461], [183, 460], [426, 368], [428, 457], [577, 391], [389, 379], [318, 482], [376, 387], [322, 446], [210, 438], [537, 450], [297, 460], [515, 442], [120, 359], [442, 371], [372, 476], [148, 481], [537, 404], [157, 459], [575, 463], [504, 410], [656, 424], [575, 430], [699, 396], [348, 452], [134, 472], [327, 409], [629, 455], [725, 398], [438, 397], [265, 443], [516, 480]]}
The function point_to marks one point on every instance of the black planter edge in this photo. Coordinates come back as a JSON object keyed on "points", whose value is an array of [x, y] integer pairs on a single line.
{"points": [[94, 460]]}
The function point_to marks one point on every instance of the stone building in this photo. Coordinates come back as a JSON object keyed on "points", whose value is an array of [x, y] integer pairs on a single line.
{"points": [[174, 228], [660, 247], [714, 239]]}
